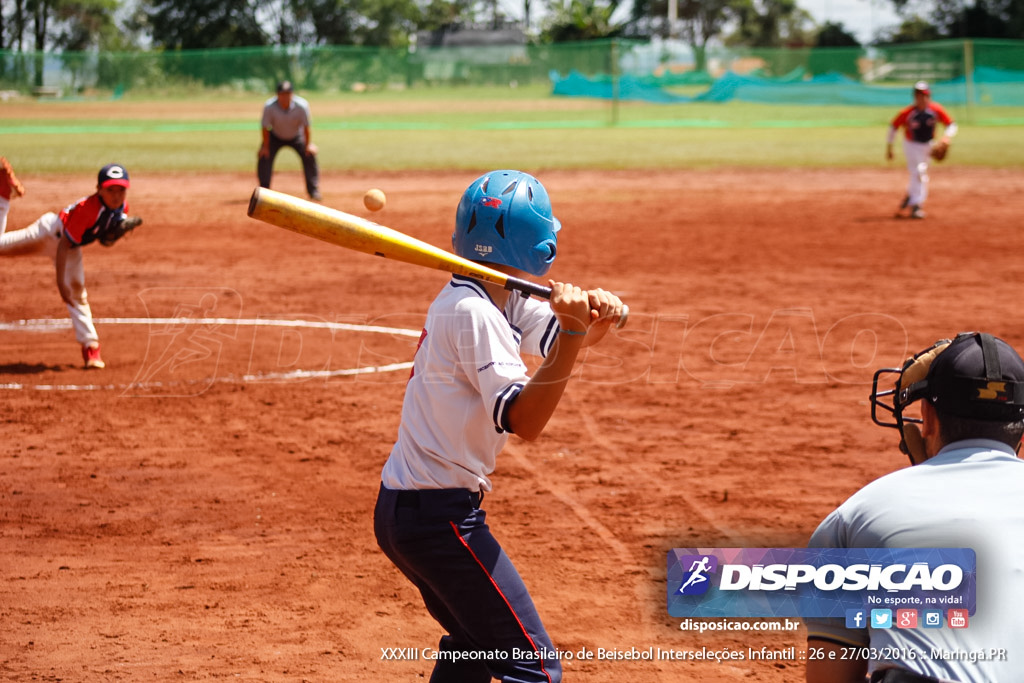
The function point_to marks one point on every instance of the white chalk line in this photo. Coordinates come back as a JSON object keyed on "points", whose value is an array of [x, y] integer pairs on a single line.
{"points": [[47, 325]]}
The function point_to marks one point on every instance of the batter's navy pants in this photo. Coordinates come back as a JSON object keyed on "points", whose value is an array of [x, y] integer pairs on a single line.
{"points": [[265, 165], [440, 541]]}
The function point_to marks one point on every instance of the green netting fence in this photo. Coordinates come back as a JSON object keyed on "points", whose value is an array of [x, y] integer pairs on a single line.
{"points": [[988, 72]]}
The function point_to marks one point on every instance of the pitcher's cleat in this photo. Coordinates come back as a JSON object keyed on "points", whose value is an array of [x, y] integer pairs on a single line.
{"points": [[91, 356]]}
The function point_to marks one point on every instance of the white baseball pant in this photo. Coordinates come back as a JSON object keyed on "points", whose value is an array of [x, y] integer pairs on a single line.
{"points": [[918, 156], [44, 236]]}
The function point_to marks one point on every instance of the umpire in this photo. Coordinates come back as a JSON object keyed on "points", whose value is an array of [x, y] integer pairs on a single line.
{"points": [[287, 123], [963, 490]]}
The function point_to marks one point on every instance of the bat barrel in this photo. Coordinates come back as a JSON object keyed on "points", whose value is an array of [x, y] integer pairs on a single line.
{"points": [[359, 234], [254, 201], [352, 232]]}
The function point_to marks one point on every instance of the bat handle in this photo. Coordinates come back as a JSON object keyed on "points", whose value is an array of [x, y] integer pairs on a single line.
{"points": [[527, 288]]}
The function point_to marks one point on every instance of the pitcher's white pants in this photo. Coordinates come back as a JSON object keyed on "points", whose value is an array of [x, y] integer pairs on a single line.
{"points": [[44, 236]]}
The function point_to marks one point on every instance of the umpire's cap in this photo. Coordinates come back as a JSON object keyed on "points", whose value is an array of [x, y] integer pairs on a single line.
{"points": [[980, 377]]}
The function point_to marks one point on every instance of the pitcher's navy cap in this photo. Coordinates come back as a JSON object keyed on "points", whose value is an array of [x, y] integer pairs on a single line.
{"points": [[113, 174]]}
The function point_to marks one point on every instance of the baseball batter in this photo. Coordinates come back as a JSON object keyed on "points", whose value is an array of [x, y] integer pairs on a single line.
{"points": [[963, 490], [918, 122], [287, 122], [99, 217], [468, 391]]}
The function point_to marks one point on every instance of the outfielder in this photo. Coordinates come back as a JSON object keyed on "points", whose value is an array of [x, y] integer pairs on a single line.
{"points": [[99, 217], [963, 490], [468, 391], [918, 121]]}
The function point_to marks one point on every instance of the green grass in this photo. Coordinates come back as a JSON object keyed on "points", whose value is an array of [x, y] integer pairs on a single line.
{"points": [[475, 128]]}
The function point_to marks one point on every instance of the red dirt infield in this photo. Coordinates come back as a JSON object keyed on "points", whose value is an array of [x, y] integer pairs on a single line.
{"points": [[201, 509]]}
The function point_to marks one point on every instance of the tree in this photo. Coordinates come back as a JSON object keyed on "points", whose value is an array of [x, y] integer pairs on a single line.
{"points": [[647, 18], [84, 24], [204, 24], [833, 34], [19, 25], [380, 23], [74, 25], [769, 23], [18, 28], [40, 10], [580, 20], [914, 30], [387, 23], [702, 20], [439, 14], [982, 19], [960, 19]]}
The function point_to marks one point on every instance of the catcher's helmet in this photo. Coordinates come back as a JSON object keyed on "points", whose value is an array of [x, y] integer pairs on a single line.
{"points": [[505, 217], [975, 376]]}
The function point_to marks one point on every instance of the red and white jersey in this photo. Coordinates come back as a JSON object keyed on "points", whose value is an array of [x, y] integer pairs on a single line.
{"points": [[919, 124], [466, 373], [87, 218]]}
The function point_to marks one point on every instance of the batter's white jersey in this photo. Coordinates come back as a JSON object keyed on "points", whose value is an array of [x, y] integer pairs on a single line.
{"points": [[967, 496], [467, 371]]}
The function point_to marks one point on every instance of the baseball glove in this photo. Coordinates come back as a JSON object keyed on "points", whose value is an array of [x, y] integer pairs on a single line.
{"points": [[939, 150], [117, 230]]}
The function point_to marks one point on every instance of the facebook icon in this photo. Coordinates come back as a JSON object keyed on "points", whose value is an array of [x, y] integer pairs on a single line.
{"points": [[856, 618]]}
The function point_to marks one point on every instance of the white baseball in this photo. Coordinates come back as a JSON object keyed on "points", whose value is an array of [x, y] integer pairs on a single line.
{"points": [[374, 199]]}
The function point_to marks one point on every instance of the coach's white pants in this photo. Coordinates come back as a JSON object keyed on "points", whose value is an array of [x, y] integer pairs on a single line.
{"points": [[44, 236], [918, 155]]}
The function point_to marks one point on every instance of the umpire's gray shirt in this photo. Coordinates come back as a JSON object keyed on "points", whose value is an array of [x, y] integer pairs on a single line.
{"points": [[289, 123], [967, 496]]}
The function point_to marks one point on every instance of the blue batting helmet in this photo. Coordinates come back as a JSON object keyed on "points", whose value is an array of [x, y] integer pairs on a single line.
{"points": [[505, 217]]}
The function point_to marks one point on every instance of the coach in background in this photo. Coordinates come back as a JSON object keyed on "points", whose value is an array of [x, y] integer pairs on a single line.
{"points": [[287, 123], [963, 490]]}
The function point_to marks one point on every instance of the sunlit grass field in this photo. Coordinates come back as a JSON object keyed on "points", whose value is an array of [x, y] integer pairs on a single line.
{"points": [[471, 128]]}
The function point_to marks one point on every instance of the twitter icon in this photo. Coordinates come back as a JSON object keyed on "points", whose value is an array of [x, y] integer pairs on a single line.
{"points": [[881, 618]]}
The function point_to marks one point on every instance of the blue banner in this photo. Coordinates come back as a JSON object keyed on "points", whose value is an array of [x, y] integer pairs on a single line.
{"points": [[817, 582]]}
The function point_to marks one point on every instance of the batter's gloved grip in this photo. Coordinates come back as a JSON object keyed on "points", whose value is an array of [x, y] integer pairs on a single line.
{"points": [[119, 229], [911, 387]]}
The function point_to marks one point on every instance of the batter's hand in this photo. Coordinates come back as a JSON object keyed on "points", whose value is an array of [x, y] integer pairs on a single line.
{"points": [[571, 306], [605, 307], [888, 152], [264, 151]]}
